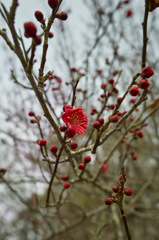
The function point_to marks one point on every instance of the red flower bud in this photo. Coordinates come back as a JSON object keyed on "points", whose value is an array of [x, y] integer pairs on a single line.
{"points": [[33, 121], [43, 142], [79, 89], [53, 3], [101, 121], [63, 128], [114, 119], [134, 91], [62, 16], [103, 95], [64, 107], [37, 40], [103, 86], [109, 201], [116, 72], [111, 81], [64, 178], [59, 80], [81, 166], [69, 133], [132, 100], [115, 90], [31, 114], [131, 118], [128, 13], [68, 107], [134, 157], [127, 191], [143, 84], [99, 71], [73, 69], [53, 149], [119, 100], [87, 159], [132, 153], [121, 179], [96, 125], [73, 145], [38, 141], [39, 16], [30, 30], [140, 134], [105, 167], [112, 106], [115, 189], [51, 35], [66, 185], [146, 72]]}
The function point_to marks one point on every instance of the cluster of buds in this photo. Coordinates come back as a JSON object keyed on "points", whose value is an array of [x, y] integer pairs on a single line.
{"points": [[107, 91], [93, 111], [121, 113], [65, 179], [86, 160], [30, 32], [137, 132], [36, 118], [120, 5], [145, 73], [30, 29], [118, 190], [41, 142], [133, 156], [62, 15], [99, 123], [58, 79], [110, 106]]}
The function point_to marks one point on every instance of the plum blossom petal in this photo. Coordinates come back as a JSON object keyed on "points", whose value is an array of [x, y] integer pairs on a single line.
{"points": [[76, 120]]}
